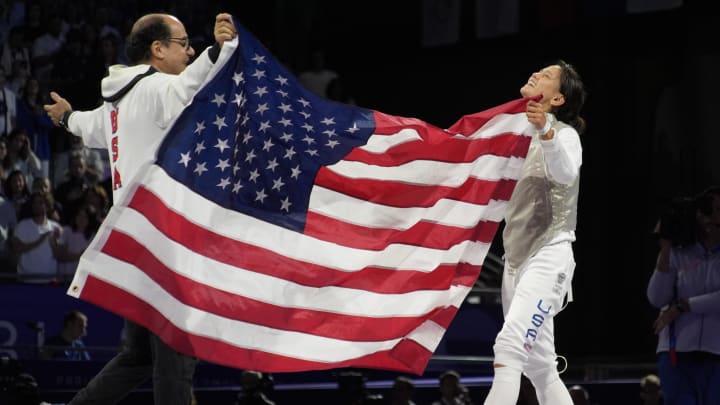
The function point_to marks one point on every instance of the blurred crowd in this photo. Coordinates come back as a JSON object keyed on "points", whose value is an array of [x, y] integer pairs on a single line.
{"points": [[54, 191]]}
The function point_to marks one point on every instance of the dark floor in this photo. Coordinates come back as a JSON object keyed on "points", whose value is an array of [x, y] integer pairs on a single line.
{"points": [[617, 392], [59, 380]]}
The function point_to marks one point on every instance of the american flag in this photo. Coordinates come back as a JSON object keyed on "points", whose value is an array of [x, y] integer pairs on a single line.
{"points": [[279, 231]]}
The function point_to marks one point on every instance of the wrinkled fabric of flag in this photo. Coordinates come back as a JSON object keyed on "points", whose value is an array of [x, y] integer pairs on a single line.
{"points": [[278, 231]]}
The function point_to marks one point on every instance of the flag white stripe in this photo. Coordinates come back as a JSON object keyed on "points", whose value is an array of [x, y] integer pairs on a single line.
{"points": [[434, 173], [368, 214], [380, 144], [297, 246], [275, 290], [428, 335], [499, 125], [242, 334], [502, 124]]}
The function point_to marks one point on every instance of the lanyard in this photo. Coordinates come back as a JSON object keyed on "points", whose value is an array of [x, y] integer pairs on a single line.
{"points": [[672, 338], [5, 108], [672, 343]]}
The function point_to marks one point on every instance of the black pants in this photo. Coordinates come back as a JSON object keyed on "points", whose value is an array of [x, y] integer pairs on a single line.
{"points": [[143, 357]]}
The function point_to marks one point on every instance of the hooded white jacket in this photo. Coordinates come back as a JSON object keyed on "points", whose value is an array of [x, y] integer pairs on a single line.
{"points": [[140, 104]]}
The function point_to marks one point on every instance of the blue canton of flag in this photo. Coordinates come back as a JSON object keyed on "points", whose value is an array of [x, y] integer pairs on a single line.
{"points": [[254, 139]]}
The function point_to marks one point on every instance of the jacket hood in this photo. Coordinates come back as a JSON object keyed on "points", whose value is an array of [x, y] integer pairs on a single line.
{"points": [[121, 79]]}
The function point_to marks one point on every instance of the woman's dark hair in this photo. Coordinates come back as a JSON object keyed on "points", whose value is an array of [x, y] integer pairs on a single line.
{"points": [[137, 45], [101, 194], [92, 218], [26, 210], [24, 152], [711, 190], [572, 88], [704, 200], [7, 186]]}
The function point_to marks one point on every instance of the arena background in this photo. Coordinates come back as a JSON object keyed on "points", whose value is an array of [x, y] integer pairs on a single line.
{"points": [[652, 133]]}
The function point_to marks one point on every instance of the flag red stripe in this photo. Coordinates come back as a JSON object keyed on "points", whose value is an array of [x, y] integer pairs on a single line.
{"points": [[465, 274], [397, 194], [238, 254], [452, 150], [426, 234], [472, 122], [131, 307], [232, 306], [386, 124]]}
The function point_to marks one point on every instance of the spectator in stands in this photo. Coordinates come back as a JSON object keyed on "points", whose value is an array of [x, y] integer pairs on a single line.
{"points": [[253, 389], [32, 118], [97, 197], [579, 395], [3, 173], [76, 237], [13, 15], [18, 77], [35, 242], [109, 51], [685, 286], [45, 48], [90, 42], [68, 344], [102, 23], [402, 391], [8, 106], [70, 191], [650, 392], [8, 221], [14, 50], [352, 389], [21, 157], [72, 18], [75, 72], [23, 390], [94, 170], [527, 392], [34, 23], [16, 191], [452, 392], [42, 185], [337, 91], [317, 77]]}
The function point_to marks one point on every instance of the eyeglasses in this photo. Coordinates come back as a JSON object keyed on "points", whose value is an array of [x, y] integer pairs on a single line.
{"points": [[184, 42]]}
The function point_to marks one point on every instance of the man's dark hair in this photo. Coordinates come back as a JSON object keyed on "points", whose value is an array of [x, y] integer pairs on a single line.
{"points": [[452, 374], [713, 190], [406, 382], [704, 200], [17, 30], [24, 390], [72, 316], [572, 88], [137, 45]]}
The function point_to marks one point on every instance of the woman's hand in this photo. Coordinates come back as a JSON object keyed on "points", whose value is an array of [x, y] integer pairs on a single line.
{"points": [[536, 114], [665, 318]]}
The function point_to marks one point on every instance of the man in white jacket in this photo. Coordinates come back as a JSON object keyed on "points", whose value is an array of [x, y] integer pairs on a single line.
{"points": [[140, 102]]}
